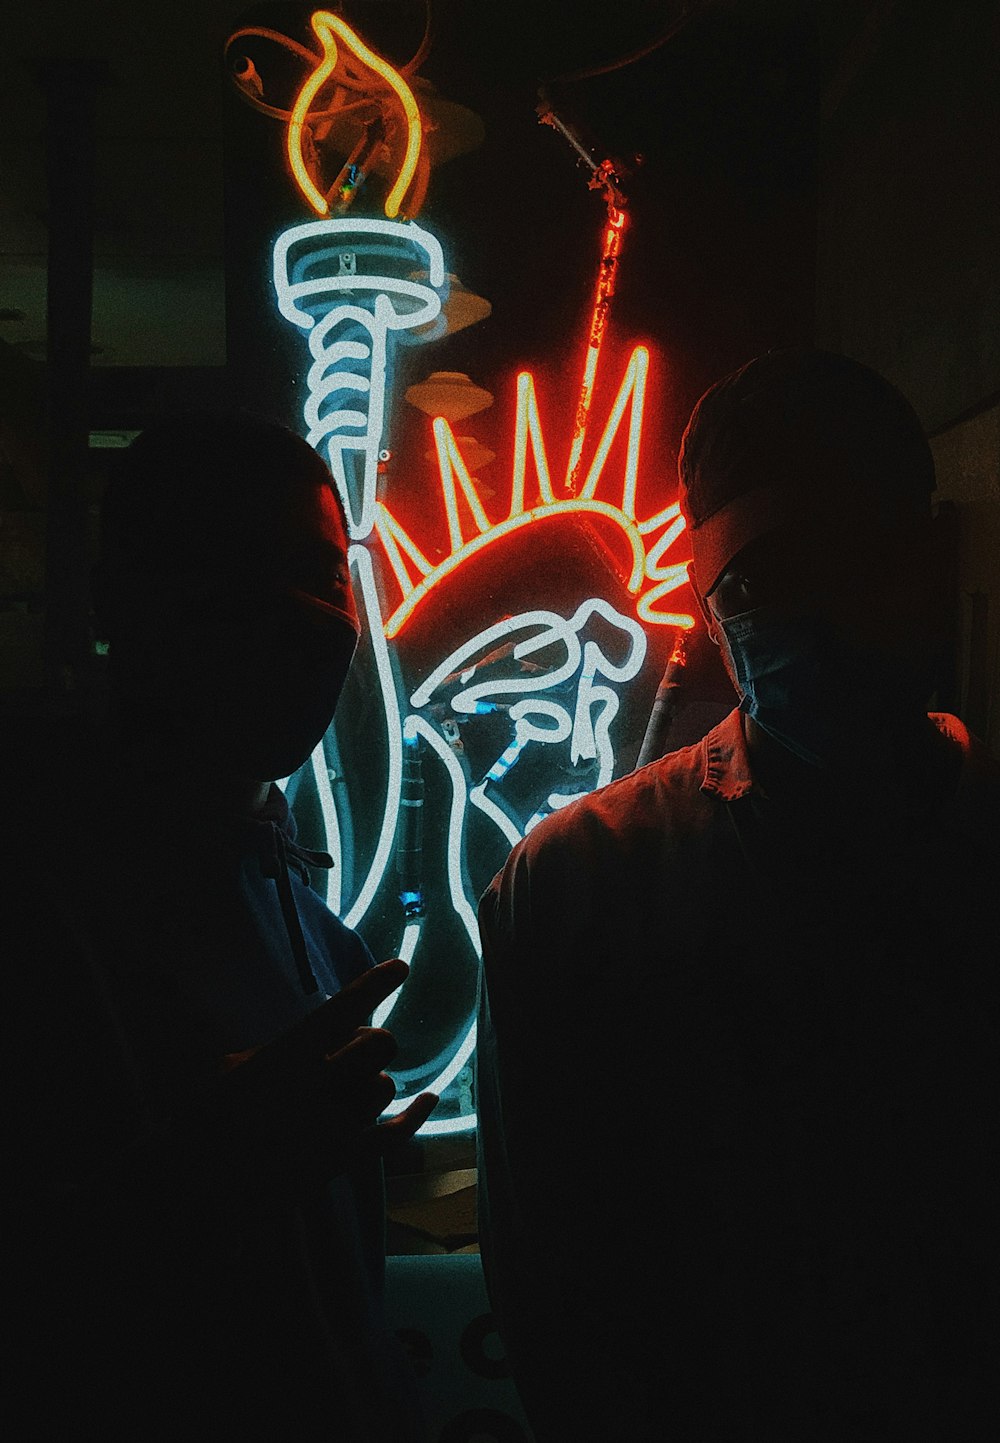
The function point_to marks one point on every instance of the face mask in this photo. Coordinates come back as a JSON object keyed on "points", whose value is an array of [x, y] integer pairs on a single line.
{"points": [[808, 688]]}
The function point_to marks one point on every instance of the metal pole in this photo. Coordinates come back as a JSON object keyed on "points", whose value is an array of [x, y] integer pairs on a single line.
{"points": [[666, 705]]}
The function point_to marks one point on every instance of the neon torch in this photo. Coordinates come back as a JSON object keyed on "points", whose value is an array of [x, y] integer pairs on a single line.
{"points": [[344, 282], [347, 282]]}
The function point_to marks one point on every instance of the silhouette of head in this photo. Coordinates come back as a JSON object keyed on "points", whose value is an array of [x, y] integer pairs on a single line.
{"points": [[222, 589], [806, 483], [800, 440]]}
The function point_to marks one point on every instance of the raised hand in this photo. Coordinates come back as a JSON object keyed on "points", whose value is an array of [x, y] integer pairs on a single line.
{"points": [[305, 1107]]}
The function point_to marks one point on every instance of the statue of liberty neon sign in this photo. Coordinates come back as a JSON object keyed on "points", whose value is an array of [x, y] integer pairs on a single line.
{"points": [[348, 284]]}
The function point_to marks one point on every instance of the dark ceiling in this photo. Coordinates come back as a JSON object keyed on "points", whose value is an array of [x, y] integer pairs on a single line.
{"points": [[711, 97]]}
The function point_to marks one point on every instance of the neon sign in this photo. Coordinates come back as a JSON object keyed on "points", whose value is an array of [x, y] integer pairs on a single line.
{"points": [[472, 735], [339, 281], [328, 29], [606, 278], [408, 562]]}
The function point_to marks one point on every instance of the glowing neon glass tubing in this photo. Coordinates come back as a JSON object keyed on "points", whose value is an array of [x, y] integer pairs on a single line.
{"points": [[528, 426], [551, 627], [352, 431], [526, 715], [452, 468], [416, 726], [527, 730], [507, 828], [632, 390], [290, 292], [528, 429], [325, 26], [669, 513], [394, 541], [647, 601], [504, 528], [362, 563], [331, 827], [667, 576], [407, 947], [610, 250]]}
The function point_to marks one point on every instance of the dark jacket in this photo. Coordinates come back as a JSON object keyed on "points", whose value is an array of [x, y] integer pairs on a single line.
{"points": [[149, 945], [738, 1091]]}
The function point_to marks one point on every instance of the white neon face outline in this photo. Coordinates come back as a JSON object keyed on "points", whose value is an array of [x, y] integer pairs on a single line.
{"points": [[537, 719]]}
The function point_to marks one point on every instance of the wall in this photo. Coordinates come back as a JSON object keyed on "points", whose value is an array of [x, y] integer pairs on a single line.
{"points": [[966, 456], [908, 273]]}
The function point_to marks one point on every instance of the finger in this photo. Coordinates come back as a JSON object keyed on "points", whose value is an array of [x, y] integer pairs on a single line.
{"points": [[349, 1117], [328, 1141], [371, 1049], [383, 1090], [358, 1000], [297, 1059], [333, 1024], [400, 1129], [233, 1060]]}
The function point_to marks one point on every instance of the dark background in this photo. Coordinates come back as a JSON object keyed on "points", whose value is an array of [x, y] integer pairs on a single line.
{"points": [[816, 171]]}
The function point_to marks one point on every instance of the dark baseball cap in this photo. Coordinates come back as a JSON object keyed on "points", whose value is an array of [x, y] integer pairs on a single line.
{"points": [[213, 491], [797, 437]]}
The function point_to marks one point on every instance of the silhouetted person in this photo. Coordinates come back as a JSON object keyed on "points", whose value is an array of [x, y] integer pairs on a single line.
{"points": [[196, 1170], [738, 1054]]}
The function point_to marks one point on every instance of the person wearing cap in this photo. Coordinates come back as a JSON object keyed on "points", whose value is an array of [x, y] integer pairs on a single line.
{"points": [[197, 1244], [738, 1062]]}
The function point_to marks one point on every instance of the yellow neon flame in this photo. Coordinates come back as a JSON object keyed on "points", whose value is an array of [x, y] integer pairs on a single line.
{"points": [[326, 27]]}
